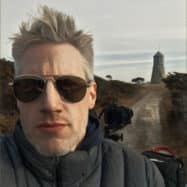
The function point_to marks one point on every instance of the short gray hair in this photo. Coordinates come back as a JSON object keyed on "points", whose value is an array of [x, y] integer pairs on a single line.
{"points": [[56, 27]]}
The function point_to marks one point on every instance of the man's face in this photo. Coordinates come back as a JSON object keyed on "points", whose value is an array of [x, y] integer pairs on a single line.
{"points": [[69, 120]]}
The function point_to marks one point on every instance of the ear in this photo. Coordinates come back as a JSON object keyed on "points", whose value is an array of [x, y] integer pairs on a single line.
{"points": [[92, 94]]}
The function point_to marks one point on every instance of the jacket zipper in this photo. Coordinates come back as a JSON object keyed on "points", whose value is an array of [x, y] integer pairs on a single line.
{"points": [[57, 173]]}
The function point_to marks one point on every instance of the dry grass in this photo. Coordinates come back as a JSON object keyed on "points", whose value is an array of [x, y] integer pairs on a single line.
{"points": [[7, 122]]}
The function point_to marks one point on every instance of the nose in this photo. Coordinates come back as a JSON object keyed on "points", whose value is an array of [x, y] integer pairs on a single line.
{"points": [[51, 100]]}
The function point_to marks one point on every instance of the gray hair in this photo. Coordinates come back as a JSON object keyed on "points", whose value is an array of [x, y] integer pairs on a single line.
{"points": [[56, 27]]}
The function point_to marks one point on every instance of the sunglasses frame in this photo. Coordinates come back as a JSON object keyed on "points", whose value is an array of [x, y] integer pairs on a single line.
{"points": [[45, 79]]}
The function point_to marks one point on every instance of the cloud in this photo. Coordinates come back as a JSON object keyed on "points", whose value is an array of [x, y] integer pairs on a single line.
{"points": [[121, 25]]}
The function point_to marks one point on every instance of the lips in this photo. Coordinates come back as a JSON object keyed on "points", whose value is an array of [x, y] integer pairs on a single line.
{"points": [[51, 126]]}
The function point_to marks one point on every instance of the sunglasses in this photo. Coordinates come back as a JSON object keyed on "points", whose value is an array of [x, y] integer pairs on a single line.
{"points": [[28, 87]]}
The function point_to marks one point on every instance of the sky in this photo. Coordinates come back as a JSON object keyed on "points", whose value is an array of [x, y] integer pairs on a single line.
{"points": [[127, 33]]}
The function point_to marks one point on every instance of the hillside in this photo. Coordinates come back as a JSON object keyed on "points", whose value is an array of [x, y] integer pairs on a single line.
{"points": [[7, 103], [177, 85], [117, 91]]}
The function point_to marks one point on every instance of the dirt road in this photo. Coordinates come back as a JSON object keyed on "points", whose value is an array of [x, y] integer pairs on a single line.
{"points": [[145, 130]]}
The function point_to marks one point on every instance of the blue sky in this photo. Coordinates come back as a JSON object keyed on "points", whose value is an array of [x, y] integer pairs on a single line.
{"points": [[126, 32]]}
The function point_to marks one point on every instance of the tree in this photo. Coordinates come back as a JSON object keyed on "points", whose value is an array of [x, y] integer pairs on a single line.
{"points": [[138, 80], [109, 77]]}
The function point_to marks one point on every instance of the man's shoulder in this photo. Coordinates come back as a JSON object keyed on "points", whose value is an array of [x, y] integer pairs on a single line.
{"points": [[2, 139], [129, 155], [6, 143], [115, 150], [136, 166], [110, 146], [5, 137]]}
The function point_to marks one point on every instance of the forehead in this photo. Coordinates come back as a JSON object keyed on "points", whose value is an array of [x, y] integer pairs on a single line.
{"points": [[52, 59]]}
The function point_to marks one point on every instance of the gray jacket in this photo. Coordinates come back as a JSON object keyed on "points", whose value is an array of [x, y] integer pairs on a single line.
{"points": [[96, 163]]}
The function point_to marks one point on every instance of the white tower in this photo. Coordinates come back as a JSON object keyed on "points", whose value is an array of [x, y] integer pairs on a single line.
{"points": [[158, 72]]}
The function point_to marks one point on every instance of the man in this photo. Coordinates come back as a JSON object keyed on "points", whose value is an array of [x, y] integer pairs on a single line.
{"points": [[55, 142]]}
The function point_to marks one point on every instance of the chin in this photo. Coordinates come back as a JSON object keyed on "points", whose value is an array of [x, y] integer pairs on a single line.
{"points": [[53, 152], [57, 147]]}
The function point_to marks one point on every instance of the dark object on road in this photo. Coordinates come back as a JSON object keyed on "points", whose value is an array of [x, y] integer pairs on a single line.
{"points": [[171, 167], [115, 118]]}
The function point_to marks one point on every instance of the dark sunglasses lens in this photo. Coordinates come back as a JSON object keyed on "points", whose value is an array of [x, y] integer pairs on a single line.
{"points": [[73, 89], [28, 89]]}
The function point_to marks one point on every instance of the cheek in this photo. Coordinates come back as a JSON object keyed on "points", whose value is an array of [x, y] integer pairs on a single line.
{"points": [[28, 113], [79, 113]]}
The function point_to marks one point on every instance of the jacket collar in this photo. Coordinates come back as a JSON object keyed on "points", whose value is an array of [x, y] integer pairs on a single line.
{"points": [[73, 166]]}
